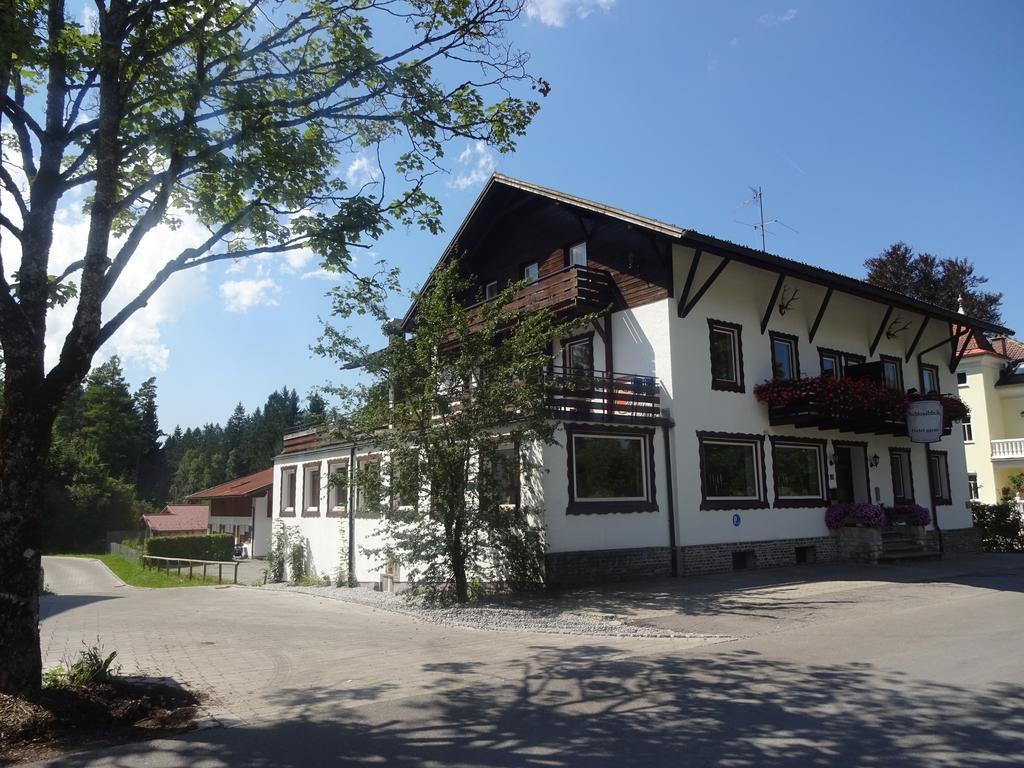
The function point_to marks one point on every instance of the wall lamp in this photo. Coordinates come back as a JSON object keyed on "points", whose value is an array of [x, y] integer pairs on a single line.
{"points": [[875, 460]]}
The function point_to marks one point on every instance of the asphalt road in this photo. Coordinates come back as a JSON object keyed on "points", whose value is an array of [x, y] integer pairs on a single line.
{"points": [[919, 666]]}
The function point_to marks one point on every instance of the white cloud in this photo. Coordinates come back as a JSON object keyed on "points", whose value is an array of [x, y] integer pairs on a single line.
{"points": [[139, 340], [362, 171], [323, 274], [477, 162], [241, 295], [775, 20], [554, 13]]}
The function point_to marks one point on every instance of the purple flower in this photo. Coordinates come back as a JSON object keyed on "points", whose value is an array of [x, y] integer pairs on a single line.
{"points": [[865, 515]]}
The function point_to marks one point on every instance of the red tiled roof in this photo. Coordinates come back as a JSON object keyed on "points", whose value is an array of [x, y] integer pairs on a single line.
{"points": [[178, 518], [240, 487], [1003, 346]]}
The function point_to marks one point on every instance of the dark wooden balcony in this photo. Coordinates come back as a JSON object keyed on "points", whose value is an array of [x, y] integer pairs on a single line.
{"points": [[573, 290], [604, 396]]}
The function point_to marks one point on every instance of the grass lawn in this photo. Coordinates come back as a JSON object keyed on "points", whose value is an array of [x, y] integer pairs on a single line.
{"points": [[137, 576]]}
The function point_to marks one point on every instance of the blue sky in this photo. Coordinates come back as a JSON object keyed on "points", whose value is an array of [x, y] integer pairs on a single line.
{"points": [[864, 123]]}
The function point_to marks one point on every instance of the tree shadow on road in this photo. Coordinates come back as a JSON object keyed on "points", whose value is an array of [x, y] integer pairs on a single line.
{"points": [[52, 605], [590, 706]]}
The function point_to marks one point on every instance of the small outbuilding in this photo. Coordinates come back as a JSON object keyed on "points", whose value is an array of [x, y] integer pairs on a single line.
{"points": [[178, 520], [242, 507]]}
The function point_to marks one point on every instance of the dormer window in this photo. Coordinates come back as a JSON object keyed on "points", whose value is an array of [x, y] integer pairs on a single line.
{"points": [[491, 290], [531, 272], [578, 255]]}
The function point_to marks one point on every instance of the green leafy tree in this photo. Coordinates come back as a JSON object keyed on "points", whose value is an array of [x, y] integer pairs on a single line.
{"points": [[151, 460], [244, 116], [935, 280], [464, 383], [110, 422]]}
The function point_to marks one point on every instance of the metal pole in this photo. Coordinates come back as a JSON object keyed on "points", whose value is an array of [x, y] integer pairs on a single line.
{"points": [[220, 572], [236, 573], [674, 553], [931, 495]]}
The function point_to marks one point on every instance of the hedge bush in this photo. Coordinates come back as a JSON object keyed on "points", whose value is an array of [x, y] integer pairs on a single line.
{"points": [[1000, 526], [202, 546]]}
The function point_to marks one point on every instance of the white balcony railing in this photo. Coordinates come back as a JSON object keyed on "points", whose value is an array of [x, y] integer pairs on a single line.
{"points": [[1008, 449]]}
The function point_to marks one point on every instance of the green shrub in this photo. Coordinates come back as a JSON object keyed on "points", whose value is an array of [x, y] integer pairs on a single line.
{"points": [[297, 562], [276, 561], [1000, 526], [203, 546], [91, 666]]}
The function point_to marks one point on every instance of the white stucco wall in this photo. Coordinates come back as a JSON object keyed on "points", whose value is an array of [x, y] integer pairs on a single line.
{"points": [[325, 537], [261, 531], [740, 295]]}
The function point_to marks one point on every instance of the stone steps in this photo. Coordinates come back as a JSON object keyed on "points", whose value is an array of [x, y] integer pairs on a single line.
{"points": [[897, 546]]}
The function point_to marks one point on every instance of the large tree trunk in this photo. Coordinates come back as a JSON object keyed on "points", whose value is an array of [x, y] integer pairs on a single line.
{"points": [[25, 434]]}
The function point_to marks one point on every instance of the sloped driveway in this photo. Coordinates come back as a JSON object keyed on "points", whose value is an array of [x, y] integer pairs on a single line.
{"points": [[889, 672]]}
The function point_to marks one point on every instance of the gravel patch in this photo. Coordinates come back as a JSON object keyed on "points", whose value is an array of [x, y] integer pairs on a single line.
{"points": [[494, 617]]}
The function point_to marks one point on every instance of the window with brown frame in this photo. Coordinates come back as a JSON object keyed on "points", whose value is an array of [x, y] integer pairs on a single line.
{"points": [[311, 490], [834, 362], [785, 355], [337, 488], [726, 355], [929, 379], [288, 492], [731, 470], [902, 476], [578, 354], [892, 372], [938, 475], [798, 469], [610, 470]]}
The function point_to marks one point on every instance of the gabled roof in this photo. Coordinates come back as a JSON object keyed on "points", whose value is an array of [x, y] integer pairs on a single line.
{"points": [[240, 487], [500, 193], [179, 518]]}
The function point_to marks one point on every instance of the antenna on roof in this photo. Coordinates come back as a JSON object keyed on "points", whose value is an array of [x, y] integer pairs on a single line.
{"points": [[758, 197]]}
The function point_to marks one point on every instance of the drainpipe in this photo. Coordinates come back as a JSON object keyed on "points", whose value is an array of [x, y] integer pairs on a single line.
{"points": [[674, 553], [351, 516], [931, 494]]}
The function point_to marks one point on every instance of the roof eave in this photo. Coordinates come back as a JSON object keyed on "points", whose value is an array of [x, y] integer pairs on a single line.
{"points": [[844, 283]]}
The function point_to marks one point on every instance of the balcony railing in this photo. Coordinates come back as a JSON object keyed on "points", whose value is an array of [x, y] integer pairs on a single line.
{"points": [[575, 395], [571, 290], [1008, 449]]}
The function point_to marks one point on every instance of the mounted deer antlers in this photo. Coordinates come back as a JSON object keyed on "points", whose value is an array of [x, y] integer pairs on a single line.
{"points": [[896, 327], [787, 300]]}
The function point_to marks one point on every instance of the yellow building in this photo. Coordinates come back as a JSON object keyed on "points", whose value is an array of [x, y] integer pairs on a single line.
{"points": [[991, 381]]}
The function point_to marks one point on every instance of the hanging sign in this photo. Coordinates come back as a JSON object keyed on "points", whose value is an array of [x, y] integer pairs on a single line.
{"points": [[924, 421]]}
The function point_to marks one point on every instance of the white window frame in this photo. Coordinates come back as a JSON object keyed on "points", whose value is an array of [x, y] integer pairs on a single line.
{"points": [[333, 499], [490, 290], [311, 494], [758, 469], [511, 448], [288, 475], [819, 451], [906, 476], [361, 463], [533, 266], [938, 478], [644, 459], [793, 355], [574, 254], [567, 347], [734, 336], [968, 426], [973, 489]]}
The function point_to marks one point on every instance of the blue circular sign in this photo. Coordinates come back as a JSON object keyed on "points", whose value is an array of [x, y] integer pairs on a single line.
{"points": [[736, 520]]}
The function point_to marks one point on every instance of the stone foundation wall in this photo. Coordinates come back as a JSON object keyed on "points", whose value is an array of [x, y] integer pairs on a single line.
{"points": [[957, 541], [860, 545], [566, 569], [716, 558]]}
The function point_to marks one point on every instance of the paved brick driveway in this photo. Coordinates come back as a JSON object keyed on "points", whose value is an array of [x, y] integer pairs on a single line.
{"points": [[897, 671]]}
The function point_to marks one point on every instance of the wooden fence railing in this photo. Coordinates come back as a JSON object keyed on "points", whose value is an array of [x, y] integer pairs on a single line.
{"points": [[182, 562]]}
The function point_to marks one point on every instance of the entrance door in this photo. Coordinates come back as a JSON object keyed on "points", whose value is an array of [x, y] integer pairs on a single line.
{"points": [[845, 492]]}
